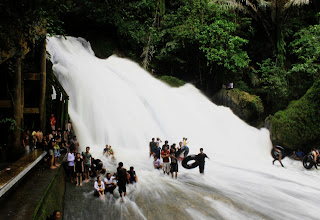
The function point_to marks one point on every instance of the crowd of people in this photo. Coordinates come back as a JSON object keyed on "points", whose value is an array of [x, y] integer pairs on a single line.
{"points": [[119, 179], [85, 166], [54, 143], [171, 156]]}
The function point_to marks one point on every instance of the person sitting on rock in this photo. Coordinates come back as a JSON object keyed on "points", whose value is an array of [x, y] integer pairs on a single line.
{"points": [[99, 187], [109, 184], [298, 154]]}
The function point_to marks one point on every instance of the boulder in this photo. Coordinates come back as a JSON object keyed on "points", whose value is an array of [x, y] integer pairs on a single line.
{"points": [[246, 106], [298, 126]]}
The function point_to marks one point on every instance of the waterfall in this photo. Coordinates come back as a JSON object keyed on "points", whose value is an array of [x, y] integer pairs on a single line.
{"points": [[114, 101]]}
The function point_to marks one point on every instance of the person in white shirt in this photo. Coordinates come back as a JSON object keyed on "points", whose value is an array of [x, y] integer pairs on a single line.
{"points": [[70, 159], [109, 184], [158, 141], [99, 187], [156, 163]]}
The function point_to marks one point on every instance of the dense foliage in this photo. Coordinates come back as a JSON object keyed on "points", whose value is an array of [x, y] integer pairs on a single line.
{"points": [[267, 48]]}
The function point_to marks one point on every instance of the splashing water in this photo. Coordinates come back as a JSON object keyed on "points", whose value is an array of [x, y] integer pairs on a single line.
{"points": [[114, 101]]}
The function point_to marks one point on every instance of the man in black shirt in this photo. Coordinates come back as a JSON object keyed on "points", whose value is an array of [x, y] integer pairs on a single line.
{"points": [[165, 145], [152, 146], [201, 158], [122, 180]]}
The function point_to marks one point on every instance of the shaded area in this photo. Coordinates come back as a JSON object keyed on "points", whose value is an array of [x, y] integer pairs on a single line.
{"points": [[19, 166], [21, 202]]}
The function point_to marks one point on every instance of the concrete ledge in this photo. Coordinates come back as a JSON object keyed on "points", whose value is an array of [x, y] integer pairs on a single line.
{"points": [[18, 169], [53, 197]]}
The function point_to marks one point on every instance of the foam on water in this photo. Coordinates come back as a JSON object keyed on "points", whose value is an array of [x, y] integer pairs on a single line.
{"points": [[114, 101]]}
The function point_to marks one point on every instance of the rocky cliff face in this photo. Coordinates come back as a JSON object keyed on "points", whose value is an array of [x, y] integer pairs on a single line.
{"points": [[248, 107]]}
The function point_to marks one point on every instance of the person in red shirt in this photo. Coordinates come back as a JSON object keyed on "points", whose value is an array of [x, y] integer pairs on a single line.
{"points": [[165, 154], [53, 122]]}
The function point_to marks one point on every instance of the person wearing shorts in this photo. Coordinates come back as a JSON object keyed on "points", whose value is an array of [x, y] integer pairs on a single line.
{"points": [[52, 143], [87, 161], [174, 162], [122, 180], [165, 154]]}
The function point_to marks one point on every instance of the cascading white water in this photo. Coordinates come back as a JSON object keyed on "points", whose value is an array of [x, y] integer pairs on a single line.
{"points": [[114, 101]]}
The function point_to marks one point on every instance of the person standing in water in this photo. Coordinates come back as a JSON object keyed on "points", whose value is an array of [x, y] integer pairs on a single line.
{"points": [[78, 169], [174, 162], [157, 151], [122, 180], [201, 158], [315, 153], [87, 161], [278, 154], [152, 147], [165, 154]]}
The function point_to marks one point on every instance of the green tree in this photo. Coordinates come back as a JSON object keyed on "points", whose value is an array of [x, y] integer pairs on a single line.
{"points": [[274, 16], [306, 48], [273, 85], [201, 39]]}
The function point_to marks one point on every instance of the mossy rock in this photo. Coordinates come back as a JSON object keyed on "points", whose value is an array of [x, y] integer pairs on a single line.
{"points": [[299, 125], [246, 106], [172, 81]]}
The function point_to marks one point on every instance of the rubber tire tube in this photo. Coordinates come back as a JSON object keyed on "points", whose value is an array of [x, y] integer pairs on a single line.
{"points": [[275, 156], [307, 158], [188, 158]]}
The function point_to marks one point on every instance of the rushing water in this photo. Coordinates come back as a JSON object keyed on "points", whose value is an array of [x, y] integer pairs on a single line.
{"points": [[114, 101]]}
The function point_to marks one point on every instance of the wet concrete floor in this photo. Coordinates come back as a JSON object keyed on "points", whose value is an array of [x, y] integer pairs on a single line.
{"points": [[23, 199]]}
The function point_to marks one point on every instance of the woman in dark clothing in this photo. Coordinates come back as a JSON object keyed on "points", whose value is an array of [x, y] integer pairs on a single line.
{"points": [[78, 168]]}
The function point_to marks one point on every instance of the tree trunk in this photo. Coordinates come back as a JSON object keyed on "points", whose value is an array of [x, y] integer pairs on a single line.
{"points": [[62, 114], [43, 79], [17, 106], [145, 54]]}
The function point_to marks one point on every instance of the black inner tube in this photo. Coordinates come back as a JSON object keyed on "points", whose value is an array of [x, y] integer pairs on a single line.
{"points": [[308, 161], [190, 158], [276, 154]]}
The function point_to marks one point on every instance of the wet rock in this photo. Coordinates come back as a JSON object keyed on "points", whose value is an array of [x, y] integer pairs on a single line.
{"points": [[246, 106]]}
